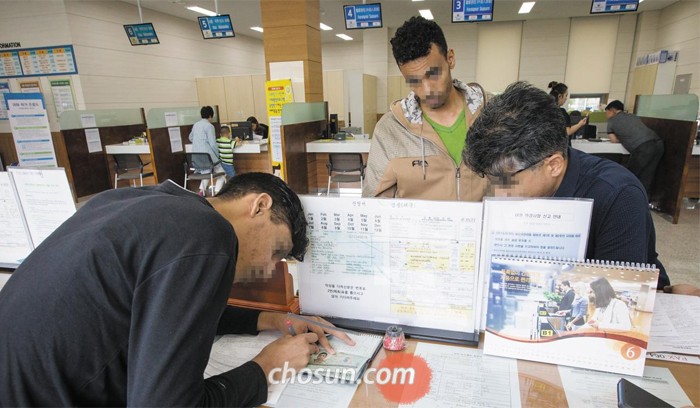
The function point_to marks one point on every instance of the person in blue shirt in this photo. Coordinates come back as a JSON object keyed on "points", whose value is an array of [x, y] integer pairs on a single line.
{"points": [[520, 143], [579, 307], [203, 138]]}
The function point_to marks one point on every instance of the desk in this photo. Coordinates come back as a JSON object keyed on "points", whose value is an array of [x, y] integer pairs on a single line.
{"points": [[121, 148], [540, 384], [338, 146], [598, 147], [142, 149], [247, 146], [251, 156]]}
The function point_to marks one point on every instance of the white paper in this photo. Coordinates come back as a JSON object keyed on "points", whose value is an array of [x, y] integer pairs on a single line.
{"points": [[170, 119], [31, 133], [45, 198], [595, 389], [62, 96], [407, 262], [321, 395], [88, 120], [463, 376], [229, 352], [175, 139], [14, 240], [683, 314], [553, 228], [92, 136], [4, 89], [676, 358], [275, 137], [4, 277]]}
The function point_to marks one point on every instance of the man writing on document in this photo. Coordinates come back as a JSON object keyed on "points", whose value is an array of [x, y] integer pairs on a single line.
{"points": [[120, 305], [417, 146], [519, 143]]}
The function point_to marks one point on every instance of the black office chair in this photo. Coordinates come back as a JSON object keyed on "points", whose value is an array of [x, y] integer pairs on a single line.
{"points": [[345, 168], [199, 166], [265, 130], [129, 167]]}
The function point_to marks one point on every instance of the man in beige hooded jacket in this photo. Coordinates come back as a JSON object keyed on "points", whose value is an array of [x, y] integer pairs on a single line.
{"points": [[408, 158]]}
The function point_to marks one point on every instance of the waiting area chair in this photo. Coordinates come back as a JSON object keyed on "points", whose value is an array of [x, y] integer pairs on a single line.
{"points": [[345, 168], [199, 166], [129, 167]]}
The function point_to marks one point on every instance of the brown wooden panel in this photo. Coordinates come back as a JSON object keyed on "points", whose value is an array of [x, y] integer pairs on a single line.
{"points": [[276, 13], [692, 182], [318, 172], [667, 188], [252, 162], [90, 171], [294, 139], [272, 293], [169, 165]]}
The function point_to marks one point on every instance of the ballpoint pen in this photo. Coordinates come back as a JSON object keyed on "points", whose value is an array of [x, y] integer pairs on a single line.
{"points": [[290, 328]]}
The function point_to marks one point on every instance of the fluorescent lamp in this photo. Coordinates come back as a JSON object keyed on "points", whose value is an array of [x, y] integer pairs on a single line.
{"points": [[426, 14], [416, 0], [344, 37], [202, 11], [325, 27], [258, 29], [526, 7]]}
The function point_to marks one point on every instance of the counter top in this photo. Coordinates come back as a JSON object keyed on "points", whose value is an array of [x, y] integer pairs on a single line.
{"points": [[121, 148], [248, 146], [338, 146], [608, 147]]}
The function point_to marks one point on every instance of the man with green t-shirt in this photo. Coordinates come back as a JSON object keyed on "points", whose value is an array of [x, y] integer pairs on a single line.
{"points": [[416, 149]]}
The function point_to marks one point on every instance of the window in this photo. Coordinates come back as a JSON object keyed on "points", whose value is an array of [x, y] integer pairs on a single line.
{"points": [[586, 102]]}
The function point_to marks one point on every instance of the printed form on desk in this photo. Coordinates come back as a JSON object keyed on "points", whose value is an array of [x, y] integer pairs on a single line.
{"points": [[675, 325]]}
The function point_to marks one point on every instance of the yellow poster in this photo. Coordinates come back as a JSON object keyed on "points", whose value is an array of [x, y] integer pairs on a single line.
{"points": [[277, 93]]}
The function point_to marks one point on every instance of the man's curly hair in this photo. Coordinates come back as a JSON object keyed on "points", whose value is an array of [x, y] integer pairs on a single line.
{"points": [[415, 38]]}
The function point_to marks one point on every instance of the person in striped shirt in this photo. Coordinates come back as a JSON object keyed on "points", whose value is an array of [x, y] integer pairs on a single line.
{"points": [[226, 146]]}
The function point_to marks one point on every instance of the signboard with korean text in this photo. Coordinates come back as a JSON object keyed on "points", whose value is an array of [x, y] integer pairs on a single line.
{"points": [[613, 6], [363, 16], [216, 27], [56, 60], [30, 130], [141, 34], [472, 11]]}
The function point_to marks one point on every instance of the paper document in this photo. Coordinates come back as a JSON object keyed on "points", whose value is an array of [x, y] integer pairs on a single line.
{"points": [[676, 358], [463, 376], [175, 139], [232, 351], [595, 389], [676, 324], [309, 395], [92, 136], [14, 240]]}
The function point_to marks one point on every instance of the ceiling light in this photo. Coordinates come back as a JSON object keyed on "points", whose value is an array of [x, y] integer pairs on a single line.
{"points": [[258, 29], [344, 37], [202, 11], [526, 7], [416, 0], [426, 14], [325, 27]]}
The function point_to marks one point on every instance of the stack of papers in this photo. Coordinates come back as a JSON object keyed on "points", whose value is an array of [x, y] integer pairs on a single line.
{"points": [[675, 325]]}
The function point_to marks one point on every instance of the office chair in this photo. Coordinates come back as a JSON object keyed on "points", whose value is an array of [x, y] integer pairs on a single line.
{"points": [[265, 130], [199, 166], [340, 164], [129, 167]]}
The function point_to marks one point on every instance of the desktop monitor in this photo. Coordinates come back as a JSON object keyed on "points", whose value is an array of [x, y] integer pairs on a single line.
{"points": [[216, 27], [613, 6], [242, 130]]}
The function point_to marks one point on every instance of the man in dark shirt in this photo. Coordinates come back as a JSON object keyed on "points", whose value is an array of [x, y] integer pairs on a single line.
{"points": [[518, 142], [121, 304], [568, 298], [645, 146]]}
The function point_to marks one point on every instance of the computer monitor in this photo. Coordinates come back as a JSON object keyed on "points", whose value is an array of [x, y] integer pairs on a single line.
{"points": [[242, 130]]}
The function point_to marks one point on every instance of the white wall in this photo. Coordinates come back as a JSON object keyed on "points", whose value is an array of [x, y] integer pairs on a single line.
{"points": [[544, 47], [498, 55], [679, 29]]}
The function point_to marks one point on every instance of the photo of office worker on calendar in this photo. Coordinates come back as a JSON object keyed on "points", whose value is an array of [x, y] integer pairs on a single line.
{"points": [[582, 314]]}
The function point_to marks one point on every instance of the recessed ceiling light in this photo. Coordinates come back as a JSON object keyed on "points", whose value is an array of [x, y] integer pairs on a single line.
{"points": [[426, 14], [344, 37], [202, 11], [416, 0], [526, 7], [325, 27], [258, 29]]}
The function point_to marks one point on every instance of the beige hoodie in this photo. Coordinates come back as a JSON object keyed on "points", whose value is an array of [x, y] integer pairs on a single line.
{"points": [[407, 158]]}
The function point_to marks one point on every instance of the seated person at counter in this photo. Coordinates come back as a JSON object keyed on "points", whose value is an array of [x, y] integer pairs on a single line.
{"points": [[256, 128], [644, 145], [121, 304], [225, 145], [568, 299], [203, 138], [519, 143], [416, 148]]}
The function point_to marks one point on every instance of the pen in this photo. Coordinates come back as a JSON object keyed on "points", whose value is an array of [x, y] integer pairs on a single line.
{"points": [[292, 332], [314, 322]]}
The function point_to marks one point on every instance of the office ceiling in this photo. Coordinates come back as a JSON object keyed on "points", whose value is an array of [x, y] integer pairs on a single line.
{"points": [[246, 13]]}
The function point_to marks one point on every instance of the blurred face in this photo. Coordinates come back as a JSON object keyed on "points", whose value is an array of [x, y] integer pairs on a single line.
{"points": [[539, 180], [609, 113], [562, 98], [253, 126], [429, 77], [261, 245]]}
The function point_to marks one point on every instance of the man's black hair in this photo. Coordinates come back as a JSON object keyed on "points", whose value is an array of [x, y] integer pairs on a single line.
{"points": [[414, 39], [516, 130], [207, 112], [286, 206], [617, 105]]}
